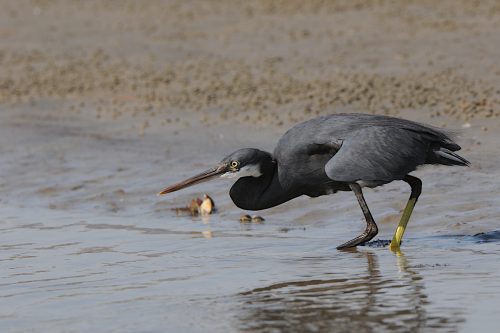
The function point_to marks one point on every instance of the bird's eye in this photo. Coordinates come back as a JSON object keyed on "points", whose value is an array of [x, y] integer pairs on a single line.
{"points": [[234, 164]]}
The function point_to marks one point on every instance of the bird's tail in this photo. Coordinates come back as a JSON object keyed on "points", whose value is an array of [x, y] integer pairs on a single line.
{"points": [[445, 156]]}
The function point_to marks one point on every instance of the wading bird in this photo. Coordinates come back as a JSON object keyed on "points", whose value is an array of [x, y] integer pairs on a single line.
{"points": [[343, 152]]}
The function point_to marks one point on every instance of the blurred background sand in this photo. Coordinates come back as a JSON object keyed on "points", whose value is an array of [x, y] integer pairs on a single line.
{"points": [[260, 62]]}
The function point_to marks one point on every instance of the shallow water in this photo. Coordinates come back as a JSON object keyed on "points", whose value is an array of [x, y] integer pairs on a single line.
{"points": [[85, 245]]}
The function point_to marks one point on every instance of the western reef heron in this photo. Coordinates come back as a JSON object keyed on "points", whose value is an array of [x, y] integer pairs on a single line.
{"points": [[341, 152]]}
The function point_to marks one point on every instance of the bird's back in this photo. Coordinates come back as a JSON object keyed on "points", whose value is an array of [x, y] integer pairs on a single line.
{"points": [[324, 128], [352, 147]]}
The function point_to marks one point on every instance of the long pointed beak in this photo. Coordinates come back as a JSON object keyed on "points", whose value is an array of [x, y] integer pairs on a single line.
{"points": [[200, 178]]}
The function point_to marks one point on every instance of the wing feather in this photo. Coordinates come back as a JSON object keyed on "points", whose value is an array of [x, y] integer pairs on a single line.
{"points": [[380, 154]]}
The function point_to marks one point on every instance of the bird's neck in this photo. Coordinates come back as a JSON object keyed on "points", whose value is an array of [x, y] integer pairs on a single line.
{"points": [[256, 193]]}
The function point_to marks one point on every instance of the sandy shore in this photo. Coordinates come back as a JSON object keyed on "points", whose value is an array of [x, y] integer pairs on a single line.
{"points": [[103, 103], [265, 62], [228, 67]]}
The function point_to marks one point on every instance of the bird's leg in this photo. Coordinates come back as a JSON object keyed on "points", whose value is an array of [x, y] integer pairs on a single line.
{"points": [[416, 189], [371, 228]]}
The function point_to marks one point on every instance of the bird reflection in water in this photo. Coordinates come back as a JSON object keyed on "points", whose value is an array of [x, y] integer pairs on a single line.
{"points": [[361, 303]]}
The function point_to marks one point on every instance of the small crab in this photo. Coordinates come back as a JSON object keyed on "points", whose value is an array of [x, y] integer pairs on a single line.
{"points": [[203, 207]]}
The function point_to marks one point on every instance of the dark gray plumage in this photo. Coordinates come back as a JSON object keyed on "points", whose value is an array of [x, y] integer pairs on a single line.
{"points": [[342, 152], [361, 147]]}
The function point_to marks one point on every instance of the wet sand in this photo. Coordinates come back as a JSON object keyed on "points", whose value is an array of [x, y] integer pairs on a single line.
{"points": [[103, 104]]}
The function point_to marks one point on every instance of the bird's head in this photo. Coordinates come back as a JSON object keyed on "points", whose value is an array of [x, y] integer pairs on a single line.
{"points": [[241, 163]]}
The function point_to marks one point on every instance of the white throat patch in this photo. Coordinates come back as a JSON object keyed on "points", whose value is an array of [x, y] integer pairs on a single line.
{"points": [[251, 170]]}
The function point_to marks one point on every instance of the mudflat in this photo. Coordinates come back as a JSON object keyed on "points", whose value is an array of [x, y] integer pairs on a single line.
{"points": [[102, 104]]}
